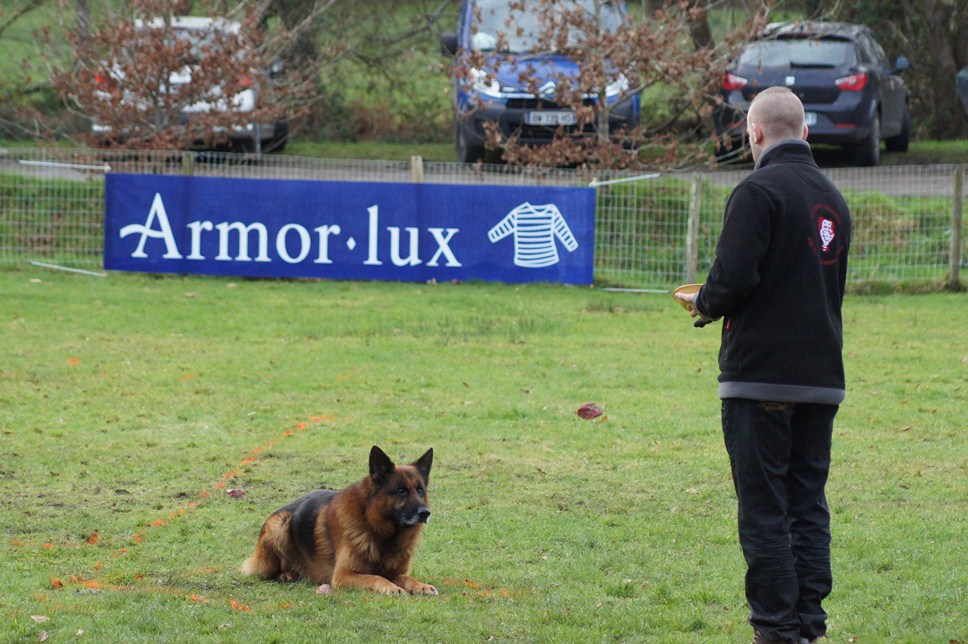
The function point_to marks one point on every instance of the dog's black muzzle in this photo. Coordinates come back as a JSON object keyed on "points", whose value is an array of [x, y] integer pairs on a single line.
{"points": [[420, 515]]}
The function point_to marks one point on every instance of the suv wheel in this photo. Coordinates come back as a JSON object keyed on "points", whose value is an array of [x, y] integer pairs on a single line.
{"points": [[280, 135], [243, 146], [900, 142], [869, 150], [466, 153]]}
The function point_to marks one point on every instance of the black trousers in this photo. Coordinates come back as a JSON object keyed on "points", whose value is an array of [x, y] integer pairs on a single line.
{"points": [[779, 454]]}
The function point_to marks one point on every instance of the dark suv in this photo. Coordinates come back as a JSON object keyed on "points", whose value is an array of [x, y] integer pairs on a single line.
{"points": [[851, 95]]}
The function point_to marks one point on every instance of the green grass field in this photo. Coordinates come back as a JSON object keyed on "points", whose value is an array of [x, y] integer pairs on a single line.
{"points": [[130, 405]]}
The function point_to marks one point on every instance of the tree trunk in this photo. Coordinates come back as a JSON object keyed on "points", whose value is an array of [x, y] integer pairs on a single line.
{"points": [[304, 52], [83, 22], [949, 118], [702, 34]]}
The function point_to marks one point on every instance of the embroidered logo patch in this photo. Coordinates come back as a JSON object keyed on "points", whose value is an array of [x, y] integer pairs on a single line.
{"points": [[827, 243], [827, 232]]}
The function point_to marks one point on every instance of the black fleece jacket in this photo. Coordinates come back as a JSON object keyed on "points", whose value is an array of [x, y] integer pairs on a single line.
{"points": [[778, 282]]}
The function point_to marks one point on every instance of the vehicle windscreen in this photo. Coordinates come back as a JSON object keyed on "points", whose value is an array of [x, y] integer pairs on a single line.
{"points": [[202, 41], [518, 27], [797, 53]]}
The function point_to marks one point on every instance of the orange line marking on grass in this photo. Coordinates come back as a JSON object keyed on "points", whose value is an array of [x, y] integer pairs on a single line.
{"points": [[477, 592], [91, 584], [248, 460], [139, 536], [75, 581]]}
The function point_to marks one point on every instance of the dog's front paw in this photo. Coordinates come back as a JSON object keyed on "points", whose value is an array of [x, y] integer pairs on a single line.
{"points": [[423, 589], [415, 587], [288, 577], [386, 587]]}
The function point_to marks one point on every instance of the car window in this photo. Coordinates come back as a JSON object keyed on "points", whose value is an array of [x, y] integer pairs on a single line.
{"points": [[880, 56], [519, 25], [797, 52], [870, 53], [200, 40], [864, 51]]}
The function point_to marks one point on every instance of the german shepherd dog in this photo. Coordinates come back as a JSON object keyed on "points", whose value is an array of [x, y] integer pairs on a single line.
{"points": [[360, 537]]}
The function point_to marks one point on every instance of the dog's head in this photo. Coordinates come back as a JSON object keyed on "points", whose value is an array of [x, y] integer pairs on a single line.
{"points": [[403, 487]]}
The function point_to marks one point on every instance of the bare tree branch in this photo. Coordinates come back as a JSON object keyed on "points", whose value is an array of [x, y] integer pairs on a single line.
{"points": [[27, 7]]}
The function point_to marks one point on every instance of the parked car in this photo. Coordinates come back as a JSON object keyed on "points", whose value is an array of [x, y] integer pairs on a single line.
{"points": [[852, 96], [203, 34], [500, 62]]}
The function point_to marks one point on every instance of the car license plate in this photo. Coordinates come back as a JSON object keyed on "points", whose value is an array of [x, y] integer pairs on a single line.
{"points": [[550, 117], [810, 118]]}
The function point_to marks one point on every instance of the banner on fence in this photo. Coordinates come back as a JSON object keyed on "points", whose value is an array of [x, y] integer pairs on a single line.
{"points": [[410, 232]]}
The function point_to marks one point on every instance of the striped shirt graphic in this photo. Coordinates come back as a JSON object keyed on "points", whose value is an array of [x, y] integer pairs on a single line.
{"points": [[535, 229]]}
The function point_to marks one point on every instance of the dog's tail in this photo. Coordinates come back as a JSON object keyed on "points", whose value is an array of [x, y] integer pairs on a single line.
{"points": [[267, 561]]}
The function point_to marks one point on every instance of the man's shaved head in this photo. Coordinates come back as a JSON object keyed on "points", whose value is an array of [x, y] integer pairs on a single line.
{"points": [[779, 112], [774, 115]]}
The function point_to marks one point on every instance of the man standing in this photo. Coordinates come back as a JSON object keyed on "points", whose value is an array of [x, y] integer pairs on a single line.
{"points": [[777, 282]]}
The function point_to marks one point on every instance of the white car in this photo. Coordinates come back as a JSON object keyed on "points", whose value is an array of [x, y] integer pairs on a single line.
{"points": [[217, 114]]}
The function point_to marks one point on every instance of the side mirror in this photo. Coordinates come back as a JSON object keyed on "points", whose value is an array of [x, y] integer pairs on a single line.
{"points": [[448, 44], [901, 64]]}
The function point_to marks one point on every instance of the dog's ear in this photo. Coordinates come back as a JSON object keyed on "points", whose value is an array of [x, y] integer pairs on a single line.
{"points": [[423, 464], [380, 465]]}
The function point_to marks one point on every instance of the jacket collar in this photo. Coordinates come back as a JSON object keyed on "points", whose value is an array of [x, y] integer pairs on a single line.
{"points": [[785, 149]]}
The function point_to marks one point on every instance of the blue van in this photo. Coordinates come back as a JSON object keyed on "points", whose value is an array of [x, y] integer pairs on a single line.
{"points": [[504, 75]]}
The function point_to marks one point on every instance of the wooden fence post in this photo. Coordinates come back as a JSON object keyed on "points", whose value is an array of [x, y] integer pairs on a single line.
{"points": [[187, 163], [692, 229], [957, 228], [416, 169]]}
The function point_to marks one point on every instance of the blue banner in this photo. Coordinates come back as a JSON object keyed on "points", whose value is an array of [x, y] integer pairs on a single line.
{"points": [[411, 232]]}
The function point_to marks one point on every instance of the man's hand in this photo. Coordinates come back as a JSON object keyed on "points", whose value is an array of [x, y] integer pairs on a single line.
{"points": [[690, 300]]}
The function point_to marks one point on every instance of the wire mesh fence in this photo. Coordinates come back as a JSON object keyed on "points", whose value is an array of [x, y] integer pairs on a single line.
{"points": [[653, 231]]}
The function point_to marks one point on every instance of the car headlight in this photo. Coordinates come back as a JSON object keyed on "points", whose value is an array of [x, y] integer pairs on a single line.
{"points": [[617, 87], [484, 84]]}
